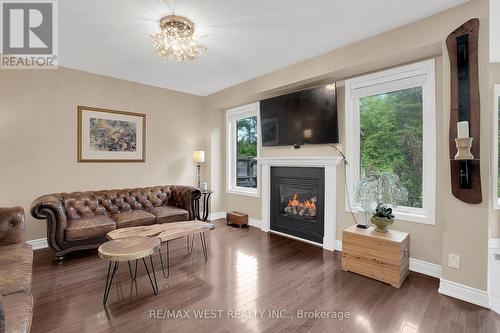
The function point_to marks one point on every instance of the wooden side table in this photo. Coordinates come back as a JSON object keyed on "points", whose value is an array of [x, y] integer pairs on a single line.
{"points": [[205, 198], [384, 256]]}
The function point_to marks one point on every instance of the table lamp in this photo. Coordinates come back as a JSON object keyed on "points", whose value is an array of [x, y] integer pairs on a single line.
{"points": [[199, 158]]}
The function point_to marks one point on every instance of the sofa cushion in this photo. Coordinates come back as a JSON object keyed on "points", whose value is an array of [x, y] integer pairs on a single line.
{"points": [[15, 268], [165, 214], [133, 218], [18, 311], [89, 227]]}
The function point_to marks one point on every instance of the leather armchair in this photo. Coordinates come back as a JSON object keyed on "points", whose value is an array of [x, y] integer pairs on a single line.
{"points": [[12, 226], [16, 261], [81, 220]]}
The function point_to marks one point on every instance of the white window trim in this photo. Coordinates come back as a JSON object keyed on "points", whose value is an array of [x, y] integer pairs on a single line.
{"points": [[232, 115], [494, 153], [413, 75]]}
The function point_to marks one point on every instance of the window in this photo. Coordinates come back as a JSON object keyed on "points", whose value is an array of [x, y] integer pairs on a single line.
{"points": [[390, 121], [242, 150], [496, 147]]}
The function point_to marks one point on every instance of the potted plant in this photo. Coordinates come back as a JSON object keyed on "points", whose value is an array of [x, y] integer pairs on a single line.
{"points": [[377, 192]]}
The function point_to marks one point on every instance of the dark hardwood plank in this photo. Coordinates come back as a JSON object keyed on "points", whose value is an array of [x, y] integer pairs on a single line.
{"points": [[247, 270]]}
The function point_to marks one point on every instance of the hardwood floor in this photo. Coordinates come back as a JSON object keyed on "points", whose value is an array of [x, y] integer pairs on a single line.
{"points": [[247, 270]]}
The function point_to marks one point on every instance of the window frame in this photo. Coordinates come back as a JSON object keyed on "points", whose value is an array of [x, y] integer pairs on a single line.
{"points": [[496, 198], [232, 116], [420, 74]]}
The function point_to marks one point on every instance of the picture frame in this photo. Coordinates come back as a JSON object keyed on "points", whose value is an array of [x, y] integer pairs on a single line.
{"points": [[110, 136]]}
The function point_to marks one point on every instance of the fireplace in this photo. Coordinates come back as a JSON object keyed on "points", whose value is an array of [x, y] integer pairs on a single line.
{"points": [[297, 202], [327, 212]]}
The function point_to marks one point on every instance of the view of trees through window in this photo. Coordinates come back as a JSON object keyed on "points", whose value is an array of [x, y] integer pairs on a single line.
{"points": [[391, 138], [246, 151]]}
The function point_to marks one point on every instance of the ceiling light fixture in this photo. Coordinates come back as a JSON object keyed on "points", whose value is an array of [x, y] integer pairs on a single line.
{"points": [[175, 41]]}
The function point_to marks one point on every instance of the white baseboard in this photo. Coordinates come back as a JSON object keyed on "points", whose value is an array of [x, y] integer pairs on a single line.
{"points": [[217, 215], [465, 293], [425, 267], [338, 245], [38, 244], [254, 222]]}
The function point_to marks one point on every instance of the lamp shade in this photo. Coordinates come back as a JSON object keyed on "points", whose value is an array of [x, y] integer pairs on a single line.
{"points": [[199, 156]]}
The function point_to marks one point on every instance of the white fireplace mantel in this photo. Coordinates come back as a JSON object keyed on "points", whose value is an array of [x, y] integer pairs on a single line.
{"points": [[330, 165]]}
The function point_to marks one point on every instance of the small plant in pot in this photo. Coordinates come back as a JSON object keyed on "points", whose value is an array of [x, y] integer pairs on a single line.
{"points": [[376, 193], [382, 218]]}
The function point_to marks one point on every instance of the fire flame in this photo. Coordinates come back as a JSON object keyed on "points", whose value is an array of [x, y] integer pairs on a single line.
{"points": [[308, 203]]}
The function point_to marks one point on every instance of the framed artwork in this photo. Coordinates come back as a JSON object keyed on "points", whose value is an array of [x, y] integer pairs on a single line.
{"points": [[111, 136]]}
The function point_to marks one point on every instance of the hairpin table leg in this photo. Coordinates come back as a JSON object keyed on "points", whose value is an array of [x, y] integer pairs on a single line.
{"points": [[204, 245], [168, 261], [155, 284], [189, 248], [109, 281], [132, 276], [154, 274]]}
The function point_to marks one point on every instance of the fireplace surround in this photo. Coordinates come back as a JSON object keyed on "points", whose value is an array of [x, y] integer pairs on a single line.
{"points": [[329, 165]]}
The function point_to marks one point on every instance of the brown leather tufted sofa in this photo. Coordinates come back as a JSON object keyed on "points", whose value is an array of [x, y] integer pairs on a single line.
{"points": [[81, 220], [16, 263]]}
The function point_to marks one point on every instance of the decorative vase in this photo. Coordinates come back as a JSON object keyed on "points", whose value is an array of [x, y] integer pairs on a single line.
{"points": [[381, 223]]}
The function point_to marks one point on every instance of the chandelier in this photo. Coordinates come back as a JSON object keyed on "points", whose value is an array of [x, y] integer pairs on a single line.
{"points": [[175, 40]]}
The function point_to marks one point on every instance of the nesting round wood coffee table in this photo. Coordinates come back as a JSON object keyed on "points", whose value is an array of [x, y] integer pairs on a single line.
{"points": [[129, 249], [180, 229], [167, 232]]}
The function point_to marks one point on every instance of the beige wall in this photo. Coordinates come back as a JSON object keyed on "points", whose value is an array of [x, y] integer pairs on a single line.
{"points": [[38, 135], [460, 228]]}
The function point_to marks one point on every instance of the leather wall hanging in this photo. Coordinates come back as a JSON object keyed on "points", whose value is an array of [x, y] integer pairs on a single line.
{"points": [[464, 143]]}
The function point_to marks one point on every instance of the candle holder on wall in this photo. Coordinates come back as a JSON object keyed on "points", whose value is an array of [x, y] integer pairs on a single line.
{"points": [[464, 155], [462, 45], [463, 149]]}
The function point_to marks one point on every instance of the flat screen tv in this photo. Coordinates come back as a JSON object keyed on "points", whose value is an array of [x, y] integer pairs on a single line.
{"points": [[303, 117]]}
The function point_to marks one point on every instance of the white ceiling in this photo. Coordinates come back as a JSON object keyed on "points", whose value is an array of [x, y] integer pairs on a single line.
{"points": [[245, 38]]}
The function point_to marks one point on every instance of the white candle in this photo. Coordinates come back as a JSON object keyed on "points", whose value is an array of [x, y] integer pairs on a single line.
{"points": [[463, 129]]}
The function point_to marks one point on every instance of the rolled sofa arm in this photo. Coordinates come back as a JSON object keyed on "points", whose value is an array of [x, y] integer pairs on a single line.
{"points": [[12, 226], [50, 208], [184, 197]]}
